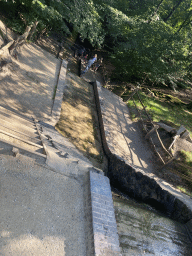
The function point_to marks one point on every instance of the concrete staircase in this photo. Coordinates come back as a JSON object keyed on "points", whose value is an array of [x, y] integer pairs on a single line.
{"points": [[19, 134]]}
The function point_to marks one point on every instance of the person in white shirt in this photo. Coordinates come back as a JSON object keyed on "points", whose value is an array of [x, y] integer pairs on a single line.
{"points": [[89, 64]]}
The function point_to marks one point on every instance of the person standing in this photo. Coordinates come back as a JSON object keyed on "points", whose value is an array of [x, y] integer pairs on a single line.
{"points": [[98, 64], [80, 52], [89, 64]]}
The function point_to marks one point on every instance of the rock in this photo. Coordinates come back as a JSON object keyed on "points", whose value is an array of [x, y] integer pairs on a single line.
{"points": [[167, 128], [186, 136], [64, 154], [15, 151]]}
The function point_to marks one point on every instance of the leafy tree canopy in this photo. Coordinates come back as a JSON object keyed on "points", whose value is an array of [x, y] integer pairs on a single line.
{"points": [[144, 38]]}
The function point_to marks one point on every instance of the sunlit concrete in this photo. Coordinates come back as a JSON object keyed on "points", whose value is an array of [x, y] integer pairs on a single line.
{"points": [[42, 211], [27, 86]]}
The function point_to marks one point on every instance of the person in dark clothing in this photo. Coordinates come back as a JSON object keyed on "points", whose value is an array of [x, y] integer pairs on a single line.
{"points": [[98, 64], [80, 52]]}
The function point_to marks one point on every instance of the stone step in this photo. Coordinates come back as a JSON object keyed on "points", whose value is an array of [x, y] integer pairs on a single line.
{"points": [[16, 117], [7, 149], [12, 130], [21, 139], [17, 142], [17, 126]]}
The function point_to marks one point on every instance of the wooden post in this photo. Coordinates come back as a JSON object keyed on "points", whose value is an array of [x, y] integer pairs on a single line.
{"points": [[163, 144], [33, 29], [132, 94], [167, 127], [152, 130], [144, 108]]}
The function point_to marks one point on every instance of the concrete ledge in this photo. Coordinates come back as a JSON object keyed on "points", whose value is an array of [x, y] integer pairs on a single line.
{"points": [[56, 110], [106, 240], [137, 183]]}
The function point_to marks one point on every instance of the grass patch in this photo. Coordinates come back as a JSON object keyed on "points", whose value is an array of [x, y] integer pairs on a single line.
{"points": [[170, 109], [77, 121], [54, 92], [184, 190], [186, 156], [183, 168], [173, 112]]}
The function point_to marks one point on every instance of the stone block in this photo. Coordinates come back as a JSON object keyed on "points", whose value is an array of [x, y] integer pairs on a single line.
{"points": [[105, 235]]}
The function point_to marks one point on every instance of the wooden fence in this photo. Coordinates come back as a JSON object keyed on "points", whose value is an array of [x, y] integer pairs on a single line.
{"points": [[153, 128]]}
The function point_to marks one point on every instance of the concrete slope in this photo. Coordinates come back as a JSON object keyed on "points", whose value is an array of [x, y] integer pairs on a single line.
{"points": [[42, 211]]}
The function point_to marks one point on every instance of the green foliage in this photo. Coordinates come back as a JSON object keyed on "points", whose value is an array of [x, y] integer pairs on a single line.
{"points": [[143, 45], [49, 16], [87, 22], [146, 47], [183, 165], [164, 108], [116, 25], [145, 38]]}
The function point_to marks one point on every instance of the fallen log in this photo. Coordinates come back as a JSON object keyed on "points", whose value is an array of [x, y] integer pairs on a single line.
{"points": [[6, 47], [167, 128], [152, 130]]}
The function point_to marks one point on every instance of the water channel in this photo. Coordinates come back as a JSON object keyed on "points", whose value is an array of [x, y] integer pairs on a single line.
{"points": [[144, 231]]}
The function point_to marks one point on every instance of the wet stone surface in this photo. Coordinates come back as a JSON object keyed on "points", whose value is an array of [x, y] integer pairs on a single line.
{"points": [[143, 231]]}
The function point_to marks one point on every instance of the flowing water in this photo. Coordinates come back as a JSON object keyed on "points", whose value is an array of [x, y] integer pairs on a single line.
{"points": [[144, 231]]}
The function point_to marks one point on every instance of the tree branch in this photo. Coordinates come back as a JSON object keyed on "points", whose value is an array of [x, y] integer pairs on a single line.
{"points": [[172, 11], [155, 12]]}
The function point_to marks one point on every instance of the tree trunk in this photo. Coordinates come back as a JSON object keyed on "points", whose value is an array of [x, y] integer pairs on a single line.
{"points": [[60, 48], [4, 37], [33, 29], [172, 11], [40, 34], [182, 25], [25, 35], [20, 40]]}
